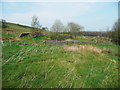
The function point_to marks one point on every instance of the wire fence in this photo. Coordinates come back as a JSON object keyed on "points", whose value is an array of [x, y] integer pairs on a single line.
{"points": [[56, 42]]}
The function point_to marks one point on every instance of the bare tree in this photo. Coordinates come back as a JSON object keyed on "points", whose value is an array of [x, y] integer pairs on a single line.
{"points": [[74, 28], [115, 34], [57, 26], [35, 22], [36, 26]]}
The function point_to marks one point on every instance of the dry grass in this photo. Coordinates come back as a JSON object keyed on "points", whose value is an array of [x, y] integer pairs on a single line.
{"points": [[82, 48]]}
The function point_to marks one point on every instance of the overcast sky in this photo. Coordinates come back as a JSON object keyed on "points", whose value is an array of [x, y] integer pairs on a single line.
{"points": [[94, 16]]}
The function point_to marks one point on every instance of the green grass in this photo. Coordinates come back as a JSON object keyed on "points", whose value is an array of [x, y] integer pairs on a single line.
{"points": [[47, 66], [16, 28], [9, 35], [83, 39], [112, 47]]}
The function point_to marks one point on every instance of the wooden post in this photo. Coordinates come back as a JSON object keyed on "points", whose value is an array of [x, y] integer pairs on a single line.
{"points": [[10, 42], [2, 42]]}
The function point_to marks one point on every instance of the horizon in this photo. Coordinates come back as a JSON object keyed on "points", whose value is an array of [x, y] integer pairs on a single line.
{"points": [[94, 16]]}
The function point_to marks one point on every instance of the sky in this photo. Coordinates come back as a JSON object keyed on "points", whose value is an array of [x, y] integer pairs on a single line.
{"points": [[94, 16]]}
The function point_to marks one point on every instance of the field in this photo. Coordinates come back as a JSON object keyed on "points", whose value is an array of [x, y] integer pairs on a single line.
{"points": [[38, 65]]}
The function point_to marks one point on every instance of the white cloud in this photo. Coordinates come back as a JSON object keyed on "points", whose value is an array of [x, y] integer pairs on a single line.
{"points": [[66, 12], [50, 12]]}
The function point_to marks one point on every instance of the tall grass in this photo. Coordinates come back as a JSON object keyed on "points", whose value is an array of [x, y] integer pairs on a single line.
{"points": [[48, 66]]}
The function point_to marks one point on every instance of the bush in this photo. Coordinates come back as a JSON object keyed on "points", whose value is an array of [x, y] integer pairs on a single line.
{"points": [[3, 23], [115, 34], [37, 35]]}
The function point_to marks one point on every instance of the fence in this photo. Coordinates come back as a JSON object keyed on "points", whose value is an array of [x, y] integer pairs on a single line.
{"points": [[51, 42], [55, 42]]}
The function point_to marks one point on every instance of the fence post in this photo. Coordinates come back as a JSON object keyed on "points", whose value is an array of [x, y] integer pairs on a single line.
{"points": [[10, 42], [45, 42], [2, 42]]}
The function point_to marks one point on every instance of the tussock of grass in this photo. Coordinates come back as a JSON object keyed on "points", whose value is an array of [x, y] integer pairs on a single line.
{"points": [[81, 48]]}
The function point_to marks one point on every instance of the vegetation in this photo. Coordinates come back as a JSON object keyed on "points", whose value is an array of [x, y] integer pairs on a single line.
{"points": [[36, 32], [74, 29], [56, 28], [3, 23], [29, 63], [115, 34], [47, 66]]}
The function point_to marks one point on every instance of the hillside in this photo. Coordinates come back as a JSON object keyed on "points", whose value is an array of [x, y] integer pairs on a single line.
{"points": [[29, 63], [13, 31], [17, 28]]}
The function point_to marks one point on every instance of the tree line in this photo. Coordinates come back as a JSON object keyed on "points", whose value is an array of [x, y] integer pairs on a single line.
{"points": [[58, 27], [74, 29]]}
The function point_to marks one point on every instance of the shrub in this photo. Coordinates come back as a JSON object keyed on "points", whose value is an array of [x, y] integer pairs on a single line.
{"points": [[115, 34], [37, 34]]}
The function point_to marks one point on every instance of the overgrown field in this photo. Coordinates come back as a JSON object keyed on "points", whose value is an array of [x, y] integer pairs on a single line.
{"points": [[48, 66], [36, 65]]}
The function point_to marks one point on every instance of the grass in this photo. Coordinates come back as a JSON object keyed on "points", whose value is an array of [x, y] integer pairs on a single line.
{"points": [[84, 39], [57, 66], [47, 66], [16, 28], [112, 47]]}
